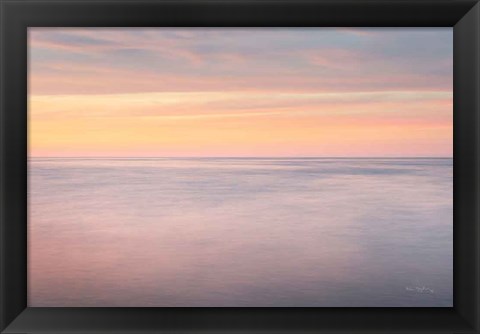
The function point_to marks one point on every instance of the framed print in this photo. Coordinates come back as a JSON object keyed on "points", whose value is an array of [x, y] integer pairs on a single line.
{"points": [[239, 166]]}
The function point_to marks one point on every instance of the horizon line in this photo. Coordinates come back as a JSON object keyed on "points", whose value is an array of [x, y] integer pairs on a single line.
{"points": [[240, 157]]}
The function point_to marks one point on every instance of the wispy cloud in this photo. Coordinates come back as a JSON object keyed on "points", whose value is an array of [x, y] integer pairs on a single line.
{"points": [[315, 90], [181, 59]]}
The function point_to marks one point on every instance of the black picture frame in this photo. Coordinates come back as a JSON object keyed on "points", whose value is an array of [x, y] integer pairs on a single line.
{"points": [[18, 15]]}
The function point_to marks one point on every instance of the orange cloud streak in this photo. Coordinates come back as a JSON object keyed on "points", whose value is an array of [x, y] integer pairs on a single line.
{"points": [[205, 124]]}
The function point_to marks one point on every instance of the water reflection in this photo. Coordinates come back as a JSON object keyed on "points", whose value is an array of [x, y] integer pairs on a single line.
{"points": [[240, 232]]}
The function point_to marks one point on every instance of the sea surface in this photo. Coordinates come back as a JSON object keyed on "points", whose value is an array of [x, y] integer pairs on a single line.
{"points": [[283, 232]]}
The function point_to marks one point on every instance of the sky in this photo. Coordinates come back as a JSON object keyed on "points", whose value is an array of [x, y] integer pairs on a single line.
{"points": [[246, 92]]}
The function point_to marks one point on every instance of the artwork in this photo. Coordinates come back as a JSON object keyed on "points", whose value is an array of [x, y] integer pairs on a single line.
{"points": [[240, 167]]}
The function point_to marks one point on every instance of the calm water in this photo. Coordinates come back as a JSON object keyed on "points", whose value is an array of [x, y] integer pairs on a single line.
{"points": [[240, 232]]}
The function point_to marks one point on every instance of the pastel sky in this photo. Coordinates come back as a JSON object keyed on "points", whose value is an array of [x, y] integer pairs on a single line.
{"points": [[333, 92]]}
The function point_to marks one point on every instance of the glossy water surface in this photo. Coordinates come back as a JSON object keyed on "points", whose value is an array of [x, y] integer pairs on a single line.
{"points": [[240, 232]]}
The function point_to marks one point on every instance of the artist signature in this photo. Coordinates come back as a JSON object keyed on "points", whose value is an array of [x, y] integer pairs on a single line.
{"points": [[420, 289]]}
